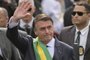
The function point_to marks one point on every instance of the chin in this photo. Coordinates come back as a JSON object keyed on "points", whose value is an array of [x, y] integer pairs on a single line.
{"points": [[76, 23]]}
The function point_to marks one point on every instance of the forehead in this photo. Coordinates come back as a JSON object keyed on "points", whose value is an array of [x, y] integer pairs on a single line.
{"points": [[43, 23], [2, 15], [1, 12], [79, 8]]}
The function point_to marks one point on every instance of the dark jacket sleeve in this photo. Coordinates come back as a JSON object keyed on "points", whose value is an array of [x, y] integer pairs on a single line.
{"points": [[19, 41]]}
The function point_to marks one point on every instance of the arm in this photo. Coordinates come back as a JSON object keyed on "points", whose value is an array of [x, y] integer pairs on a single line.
{"points": [[72, 54], [12, 31]]}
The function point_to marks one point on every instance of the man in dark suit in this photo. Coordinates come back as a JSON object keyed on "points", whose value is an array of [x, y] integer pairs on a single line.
{"points": [[67, 15], [35, 49], [80, 19], [25, 24]]}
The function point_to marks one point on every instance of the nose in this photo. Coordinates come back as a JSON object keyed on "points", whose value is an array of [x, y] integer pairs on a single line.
{"points": [[47, 30], [76, 15]]}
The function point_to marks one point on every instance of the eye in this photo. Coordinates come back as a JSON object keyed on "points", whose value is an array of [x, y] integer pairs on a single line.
{"points": [[49, 27], [42, 29]]}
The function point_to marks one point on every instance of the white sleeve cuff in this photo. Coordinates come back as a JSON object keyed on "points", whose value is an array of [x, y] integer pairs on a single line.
{"points": [[12, 23]]}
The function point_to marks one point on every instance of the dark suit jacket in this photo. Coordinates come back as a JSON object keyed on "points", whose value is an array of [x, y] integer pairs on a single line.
{"points": [[25, 45], [29, 32], [67, 35], [9, 51]]}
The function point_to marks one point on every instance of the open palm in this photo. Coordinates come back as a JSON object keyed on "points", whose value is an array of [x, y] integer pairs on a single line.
{"points": [[22, 10]]}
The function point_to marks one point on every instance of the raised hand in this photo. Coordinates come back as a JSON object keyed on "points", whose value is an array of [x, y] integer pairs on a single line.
{"points": [[22, 10]]}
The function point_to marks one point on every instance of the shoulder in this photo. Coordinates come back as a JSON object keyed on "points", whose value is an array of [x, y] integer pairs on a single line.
{"points": [[22, 33], [3, 29], [68, 28], [63, 45], [66, 46], [3, 32]]}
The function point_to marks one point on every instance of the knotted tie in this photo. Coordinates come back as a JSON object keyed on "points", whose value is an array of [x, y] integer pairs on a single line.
{"points": [[78, 37], [76, 46], [27, 28]]}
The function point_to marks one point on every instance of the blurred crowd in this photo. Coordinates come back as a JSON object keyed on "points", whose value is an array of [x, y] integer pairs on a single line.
{"points": [[59, 10], [56, 9]]}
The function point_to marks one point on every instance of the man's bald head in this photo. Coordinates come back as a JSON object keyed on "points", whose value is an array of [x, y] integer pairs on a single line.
{"points": [[3, 17]]}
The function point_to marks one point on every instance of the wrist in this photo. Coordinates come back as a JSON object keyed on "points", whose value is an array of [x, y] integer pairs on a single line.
{"points": [[14, 19]]}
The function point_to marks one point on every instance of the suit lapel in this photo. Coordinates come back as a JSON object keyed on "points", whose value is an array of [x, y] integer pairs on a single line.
{"points": [[88, 41], [71, 36], [71, 41], [58, 51]]}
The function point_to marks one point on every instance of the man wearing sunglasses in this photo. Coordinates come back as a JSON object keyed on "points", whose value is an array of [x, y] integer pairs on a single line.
{"points": [[80, 19], [67, 14]]}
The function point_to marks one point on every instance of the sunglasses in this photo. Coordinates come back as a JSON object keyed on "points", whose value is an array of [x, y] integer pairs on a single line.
{"points": [[78, 13]]}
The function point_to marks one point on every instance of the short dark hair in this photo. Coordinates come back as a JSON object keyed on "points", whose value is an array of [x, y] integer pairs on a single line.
{"points": [[76, 0], [87, 6], [41, 17]]}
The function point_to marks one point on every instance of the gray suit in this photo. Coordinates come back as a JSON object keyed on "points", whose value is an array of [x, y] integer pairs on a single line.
{"points": [[25, 45], [68, 34], [9, 51]]}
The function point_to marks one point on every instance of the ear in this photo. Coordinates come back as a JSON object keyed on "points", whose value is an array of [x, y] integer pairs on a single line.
{"points": [[89, 14], [36, 33]]}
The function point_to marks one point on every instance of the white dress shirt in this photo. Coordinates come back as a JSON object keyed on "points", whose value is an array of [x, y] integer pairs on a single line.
{"points": [[22, 24], [51, 47], [13, 23], [83, 39]]}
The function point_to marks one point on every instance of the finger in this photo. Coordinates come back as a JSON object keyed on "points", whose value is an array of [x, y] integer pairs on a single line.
{"points": [[32, 9], [23, 4], [28, 6], [20, 6], [27, 14]]}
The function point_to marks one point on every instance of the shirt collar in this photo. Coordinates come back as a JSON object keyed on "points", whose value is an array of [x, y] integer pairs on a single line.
{"points": [[51, 43], [84, 30], [22, 24]]}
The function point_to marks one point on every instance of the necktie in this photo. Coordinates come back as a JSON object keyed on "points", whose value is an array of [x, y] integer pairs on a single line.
{"points": [[47, 46], [78, 37], [27, 28], [76, 45]]}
